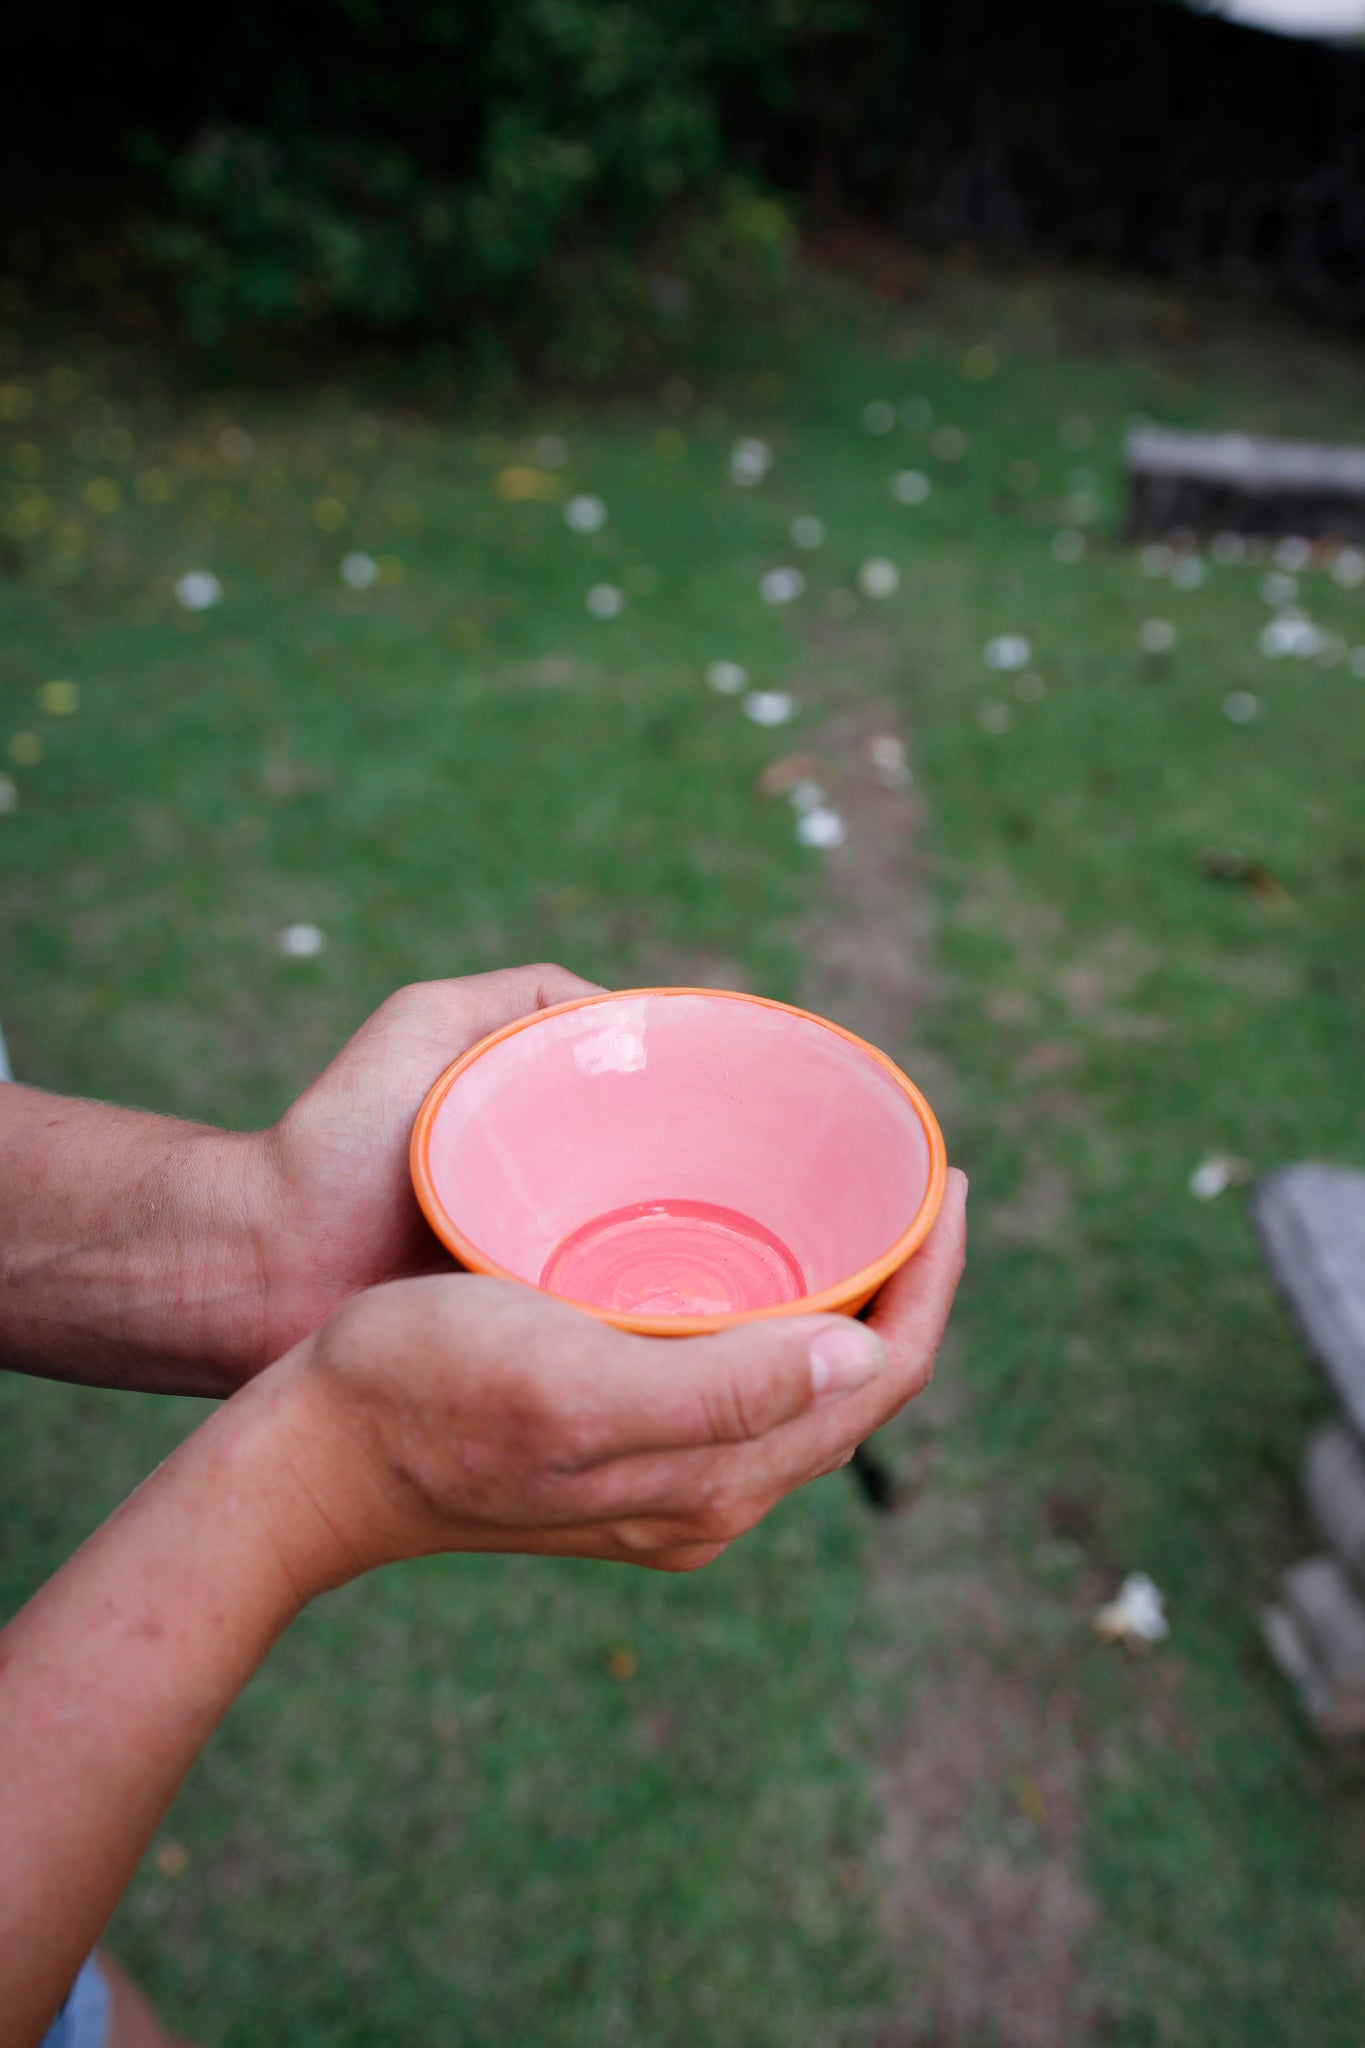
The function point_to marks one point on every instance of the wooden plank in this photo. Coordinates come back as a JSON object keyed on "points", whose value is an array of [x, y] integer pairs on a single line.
{"points": [[1242, 484], [1334, 1483], [1329, 1614], [1311, 1222], [1336, 1715]]}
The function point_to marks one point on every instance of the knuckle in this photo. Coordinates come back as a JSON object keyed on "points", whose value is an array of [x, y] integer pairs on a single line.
{"points": [[728, 1410]]}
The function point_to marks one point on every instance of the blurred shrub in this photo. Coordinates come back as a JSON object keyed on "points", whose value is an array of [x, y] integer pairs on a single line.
{"points": [[411, 166]]}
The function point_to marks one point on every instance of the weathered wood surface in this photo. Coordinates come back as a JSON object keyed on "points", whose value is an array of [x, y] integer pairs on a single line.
{"points": [[1334, 1483], [1235, 482], [1336, 1715], [1311, 1222], [1316, 1634]]}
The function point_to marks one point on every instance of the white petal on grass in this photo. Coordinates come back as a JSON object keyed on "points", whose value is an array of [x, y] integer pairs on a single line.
{"points": [[1137, 1616], [910, 487], [808, 532], [1210, 1178], [1292, 633], [806, 795], [358, 570], [821, 828], [9, 795], [1355, 661], [769, 707], [781, 586], [879, 416], [878, 577], [1240, 707], [1068, 545], [198, 590], [585, 514], [750, 461], [1157, 559], [1278, 590], [727, 677], [605, 601], [1293, 554], [1190, 573], [1006, 652], [1156, 636], [301, 941], [1349, 568]]}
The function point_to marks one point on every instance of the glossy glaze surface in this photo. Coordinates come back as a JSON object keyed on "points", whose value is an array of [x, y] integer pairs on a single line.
{"points": [[675, 1159]]}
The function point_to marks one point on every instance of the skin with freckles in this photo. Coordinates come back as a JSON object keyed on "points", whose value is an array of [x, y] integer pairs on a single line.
{"points": [[437, 1412]]}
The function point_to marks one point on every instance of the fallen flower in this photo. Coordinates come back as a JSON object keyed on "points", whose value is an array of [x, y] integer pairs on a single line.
{"points": [[585, 514], [198, 589], [1137, 1616], [727, 677], [1214, 1175], [769, 707], [781, 586], [821, 828], [1007, 651], [301, 941], [879, 578], [358, 570]]}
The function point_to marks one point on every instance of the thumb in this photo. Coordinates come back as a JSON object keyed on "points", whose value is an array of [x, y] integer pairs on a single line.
{"points": [[741, 1383]]}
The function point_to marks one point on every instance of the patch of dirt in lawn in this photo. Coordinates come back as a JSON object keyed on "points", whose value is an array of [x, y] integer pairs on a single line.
{"points": [[867, 950], [983, 1905], [982, 1897]]}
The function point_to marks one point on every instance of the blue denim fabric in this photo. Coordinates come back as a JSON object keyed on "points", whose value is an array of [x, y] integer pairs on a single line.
{"points": [[83, 2021]]}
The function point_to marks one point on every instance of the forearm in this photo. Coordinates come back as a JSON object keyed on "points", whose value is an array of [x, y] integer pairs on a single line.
{"points": [[131, 1249], [116, 1673]]}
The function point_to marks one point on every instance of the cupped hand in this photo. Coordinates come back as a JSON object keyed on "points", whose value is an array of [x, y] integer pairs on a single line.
{"points": [[334, 1210], [457, 1413]]}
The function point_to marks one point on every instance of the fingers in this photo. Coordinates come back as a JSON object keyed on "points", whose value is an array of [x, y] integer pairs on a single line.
{"points": [[909, 1315], [485, 1002], [661, 1394], [398, 1052], [911, 1312]]}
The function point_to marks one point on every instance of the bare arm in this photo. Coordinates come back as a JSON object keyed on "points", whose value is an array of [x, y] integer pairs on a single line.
{"points": [[449, 1413], [138, 1251]]}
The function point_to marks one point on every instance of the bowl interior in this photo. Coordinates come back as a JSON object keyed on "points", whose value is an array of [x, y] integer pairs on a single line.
{"points": [[678, 1154]]}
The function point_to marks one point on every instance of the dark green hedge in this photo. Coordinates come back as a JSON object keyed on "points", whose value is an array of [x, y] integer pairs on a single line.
{"points": [[418, 166]]}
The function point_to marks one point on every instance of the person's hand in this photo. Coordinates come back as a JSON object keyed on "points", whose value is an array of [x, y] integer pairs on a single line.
{"points": [[333, 1207], [467, 1414]]}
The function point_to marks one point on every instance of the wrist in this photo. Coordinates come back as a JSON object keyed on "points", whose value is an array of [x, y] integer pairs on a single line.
{"points": [[280, 1457], [131, 1246]]}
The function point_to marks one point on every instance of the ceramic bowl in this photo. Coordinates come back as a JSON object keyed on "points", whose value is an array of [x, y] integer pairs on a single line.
{"points": [[680, 1159]]}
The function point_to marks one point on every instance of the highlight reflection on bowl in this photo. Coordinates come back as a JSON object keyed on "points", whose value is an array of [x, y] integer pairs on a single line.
{"points": [[677, 1160]]}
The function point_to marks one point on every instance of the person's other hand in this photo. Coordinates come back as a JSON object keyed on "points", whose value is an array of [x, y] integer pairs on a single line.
{"points": [[467, 1414], [334, 1207]]}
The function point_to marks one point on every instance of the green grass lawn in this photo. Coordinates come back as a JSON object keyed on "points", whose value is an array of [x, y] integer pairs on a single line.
{"points": [[438, 1816]]}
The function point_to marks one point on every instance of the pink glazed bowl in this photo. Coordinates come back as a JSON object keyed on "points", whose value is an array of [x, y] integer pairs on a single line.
{"points": [[676, 1160]]}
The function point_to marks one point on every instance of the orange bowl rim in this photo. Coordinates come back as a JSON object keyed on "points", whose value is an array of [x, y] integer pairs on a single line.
{"points": [[855, 1289]]}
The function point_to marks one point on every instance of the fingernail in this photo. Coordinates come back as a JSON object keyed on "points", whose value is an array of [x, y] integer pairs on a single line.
{"points": [[845, 1356]]}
